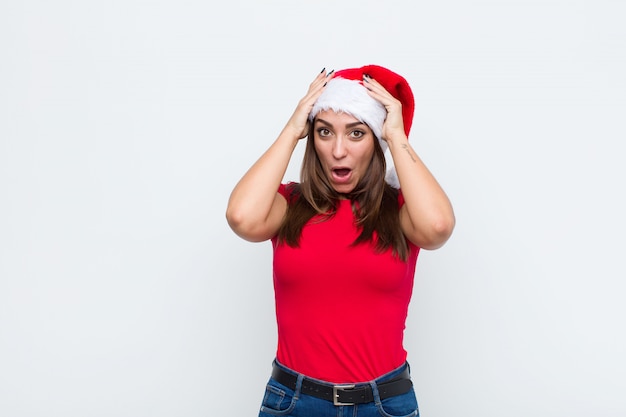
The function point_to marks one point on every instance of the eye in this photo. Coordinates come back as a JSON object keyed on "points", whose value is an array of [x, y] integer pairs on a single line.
{"points": [[323, 132], [357, 134]]}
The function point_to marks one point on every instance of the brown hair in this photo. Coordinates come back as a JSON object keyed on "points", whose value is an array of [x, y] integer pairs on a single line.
{"points": [[374, 203]]}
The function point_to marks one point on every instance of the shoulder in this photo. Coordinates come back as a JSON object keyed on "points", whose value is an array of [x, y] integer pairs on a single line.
{"points": [[290, 191]]}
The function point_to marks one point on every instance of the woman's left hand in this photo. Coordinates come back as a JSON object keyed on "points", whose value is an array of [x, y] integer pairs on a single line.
{"points": [[393, 125]]}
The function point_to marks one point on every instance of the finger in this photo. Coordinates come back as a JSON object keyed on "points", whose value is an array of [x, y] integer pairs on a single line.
{"points": [[384, 98], [317, 86], [375, 87], [322, 78]]}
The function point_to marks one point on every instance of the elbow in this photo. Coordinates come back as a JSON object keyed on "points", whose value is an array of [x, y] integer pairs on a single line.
{"points": [[444, 229], [439, 232], [237, 221], [245, 227], [234, 218], [444, 226]]}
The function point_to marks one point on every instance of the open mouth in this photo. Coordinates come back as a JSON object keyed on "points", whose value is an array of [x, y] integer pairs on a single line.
{"points": [[341, 175], [341, 172]]}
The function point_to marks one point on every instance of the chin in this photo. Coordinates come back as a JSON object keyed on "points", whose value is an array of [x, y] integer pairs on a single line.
{"points": [[344, 189]]}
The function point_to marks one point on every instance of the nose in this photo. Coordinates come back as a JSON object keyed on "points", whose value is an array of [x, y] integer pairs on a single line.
{"points": [[339, 148]]}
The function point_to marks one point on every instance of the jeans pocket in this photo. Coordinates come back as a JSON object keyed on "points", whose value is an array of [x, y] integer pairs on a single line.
{"points": [[404, 405], [278, 400]]}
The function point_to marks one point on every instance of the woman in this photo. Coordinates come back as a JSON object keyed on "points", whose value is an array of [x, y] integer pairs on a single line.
{"points": [[346, 240]]}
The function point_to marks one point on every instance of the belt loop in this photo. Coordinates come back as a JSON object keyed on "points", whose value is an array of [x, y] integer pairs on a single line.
{"points": [[375, 393], [298, 389]]}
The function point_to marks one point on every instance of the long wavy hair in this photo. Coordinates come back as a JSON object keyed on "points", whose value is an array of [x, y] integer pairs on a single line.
{"points": [[374, 203]]}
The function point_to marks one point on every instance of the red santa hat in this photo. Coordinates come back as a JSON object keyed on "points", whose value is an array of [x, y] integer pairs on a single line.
{"points": [[345, 93]]}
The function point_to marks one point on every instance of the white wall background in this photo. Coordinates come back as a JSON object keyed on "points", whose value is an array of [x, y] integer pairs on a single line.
{"points": [[125, 124]]}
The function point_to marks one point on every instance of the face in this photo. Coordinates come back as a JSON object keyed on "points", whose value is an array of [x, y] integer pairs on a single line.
{"points": [[345, 147]]}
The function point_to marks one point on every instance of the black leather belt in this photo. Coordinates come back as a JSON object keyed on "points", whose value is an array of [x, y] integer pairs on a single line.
{"points": [[345, 394]]}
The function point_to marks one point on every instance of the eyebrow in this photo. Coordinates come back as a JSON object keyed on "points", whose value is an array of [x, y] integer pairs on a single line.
{"points": [[349, 125]]}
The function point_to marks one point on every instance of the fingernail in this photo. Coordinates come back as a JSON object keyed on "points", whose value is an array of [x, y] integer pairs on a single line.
{"points": [[325, 84], [330, 73], [322, 70]]}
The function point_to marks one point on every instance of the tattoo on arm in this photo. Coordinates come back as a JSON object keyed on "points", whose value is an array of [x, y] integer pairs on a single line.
{"points": [[408, 150]]}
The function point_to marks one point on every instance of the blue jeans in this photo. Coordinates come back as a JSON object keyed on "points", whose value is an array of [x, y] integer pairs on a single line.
{"points": [[282, 401]]}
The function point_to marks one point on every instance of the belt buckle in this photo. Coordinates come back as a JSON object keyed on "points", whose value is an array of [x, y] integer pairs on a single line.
{"points": [[336, 393]]}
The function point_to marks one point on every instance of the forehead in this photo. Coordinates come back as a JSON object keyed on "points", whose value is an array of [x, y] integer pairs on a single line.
{"points": [[334, 117]]}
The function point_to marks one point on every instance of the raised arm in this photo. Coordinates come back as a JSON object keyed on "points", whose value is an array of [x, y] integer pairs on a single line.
{"points": [[255, 209], [427, 218]]}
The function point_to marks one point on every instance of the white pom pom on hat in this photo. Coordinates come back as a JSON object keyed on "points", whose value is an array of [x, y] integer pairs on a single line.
{"points": [[345, 93]]}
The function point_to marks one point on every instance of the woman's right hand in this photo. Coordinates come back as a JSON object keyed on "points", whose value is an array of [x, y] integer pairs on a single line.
{"points": [[299, 121]]}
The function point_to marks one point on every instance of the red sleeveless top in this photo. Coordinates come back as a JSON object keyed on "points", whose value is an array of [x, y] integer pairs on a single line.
{"points": [[340, 309]]}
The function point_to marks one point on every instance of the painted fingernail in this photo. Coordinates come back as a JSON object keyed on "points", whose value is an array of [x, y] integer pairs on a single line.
{"points": [[325, 84], [328, 75], [322, 70]]}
